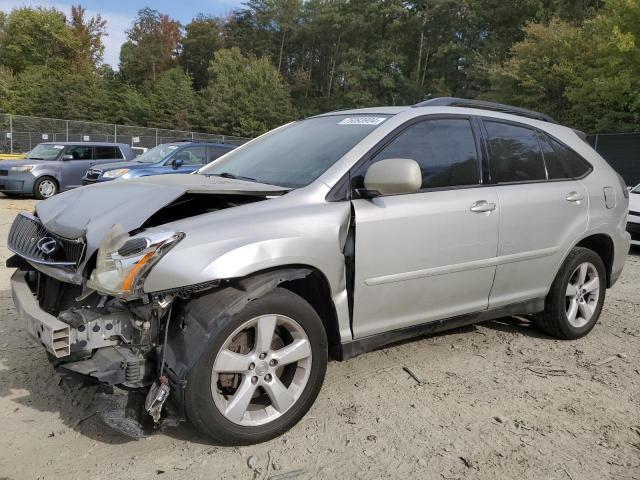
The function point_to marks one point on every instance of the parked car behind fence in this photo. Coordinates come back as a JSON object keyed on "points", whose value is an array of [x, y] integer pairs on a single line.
{"points": [[54, 167], [177, 157]]}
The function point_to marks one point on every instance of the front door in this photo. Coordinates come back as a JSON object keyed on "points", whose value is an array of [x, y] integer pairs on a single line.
{"points": [[429, 255], [76, 160]]}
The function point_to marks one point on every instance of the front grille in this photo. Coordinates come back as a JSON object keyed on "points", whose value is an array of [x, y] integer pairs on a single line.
{"points": [[631, 212], [92, 175], [29, 239], [4, 173]]}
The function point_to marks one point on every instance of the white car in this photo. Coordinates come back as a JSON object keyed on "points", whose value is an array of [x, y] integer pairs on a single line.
{"points": [[633, 221]]}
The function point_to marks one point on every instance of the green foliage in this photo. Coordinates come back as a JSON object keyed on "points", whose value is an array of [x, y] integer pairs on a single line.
{"points": [[246, 95], [271, 61], [35, 36], [172, 103], [203, 36], [151, 48], [587, 76]]}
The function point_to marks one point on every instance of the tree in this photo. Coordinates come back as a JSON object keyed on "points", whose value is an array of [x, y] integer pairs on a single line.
{"points": [[203, 36], [245, 96], [151, 48], [35, 36], [88, 34], [173, 101]]}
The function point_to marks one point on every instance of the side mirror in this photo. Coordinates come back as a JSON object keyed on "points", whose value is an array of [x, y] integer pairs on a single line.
{"points": [[67, 156], [393, 176], [177, 163]]}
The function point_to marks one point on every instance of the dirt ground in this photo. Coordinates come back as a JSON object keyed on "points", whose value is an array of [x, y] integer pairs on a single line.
{"points": [[496, 400]]}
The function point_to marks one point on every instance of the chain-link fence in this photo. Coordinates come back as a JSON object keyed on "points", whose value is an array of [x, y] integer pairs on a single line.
{"points": [[622, 151], [20, 134]]}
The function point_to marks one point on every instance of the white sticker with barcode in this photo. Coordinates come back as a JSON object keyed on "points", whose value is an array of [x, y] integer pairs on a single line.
{"points": [[362, 121]]}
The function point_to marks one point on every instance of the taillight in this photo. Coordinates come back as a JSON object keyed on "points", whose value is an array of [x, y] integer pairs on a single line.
{"points": [[623, 185]]}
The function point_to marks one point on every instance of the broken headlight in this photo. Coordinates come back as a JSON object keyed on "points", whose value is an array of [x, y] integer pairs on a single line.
{"points": [[124, 261]]}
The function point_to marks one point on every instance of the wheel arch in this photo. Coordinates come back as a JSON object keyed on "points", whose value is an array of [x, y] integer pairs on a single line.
{"points": [[602, 244], [190, 329]]}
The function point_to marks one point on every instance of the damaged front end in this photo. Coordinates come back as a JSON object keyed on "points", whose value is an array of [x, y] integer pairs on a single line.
{"points": [[87, 307]]}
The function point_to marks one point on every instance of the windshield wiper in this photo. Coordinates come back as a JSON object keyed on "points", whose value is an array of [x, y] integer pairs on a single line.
{"points": [[234, 177]]}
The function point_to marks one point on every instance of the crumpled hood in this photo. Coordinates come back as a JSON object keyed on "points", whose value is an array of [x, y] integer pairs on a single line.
{"points": [[92, 210]]}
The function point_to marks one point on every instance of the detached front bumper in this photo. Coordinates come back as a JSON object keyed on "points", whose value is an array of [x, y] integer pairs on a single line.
{"points": [[53, 334], [633, 227]]}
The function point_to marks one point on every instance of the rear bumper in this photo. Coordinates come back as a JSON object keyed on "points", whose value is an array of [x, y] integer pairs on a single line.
{"points": [[46, 329], [633, 227], [621, 245]]}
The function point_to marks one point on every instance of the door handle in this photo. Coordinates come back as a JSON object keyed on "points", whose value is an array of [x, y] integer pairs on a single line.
{"points": [[482, 206], [574, 197]]}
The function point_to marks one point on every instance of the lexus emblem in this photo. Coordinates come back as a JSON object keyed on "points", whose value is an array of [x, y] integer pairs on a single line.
{"points": [[47, 245]]}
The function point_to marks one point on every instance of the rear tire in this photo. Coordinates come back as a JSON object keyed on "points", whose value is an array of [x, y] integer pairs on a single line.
{"points": [[574, 302], [235, 366], [45, 187]]}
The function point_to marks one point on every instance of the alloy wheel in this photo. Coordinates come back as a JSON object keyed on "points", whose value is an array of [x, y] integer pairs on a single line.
{"points": [[261, 370], [47, 188], [582, 294]]}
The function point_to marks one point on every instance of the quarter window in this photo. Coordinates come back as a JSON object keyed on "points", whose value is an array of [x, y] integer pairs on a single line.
{"points": [[445, 149], [515, 153], [575, 164], [556, 168]]}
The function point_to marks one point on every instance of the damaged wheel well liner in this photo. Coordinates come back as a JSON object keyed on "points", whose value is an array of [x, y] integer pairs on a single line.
{"points": [[195, 319]]}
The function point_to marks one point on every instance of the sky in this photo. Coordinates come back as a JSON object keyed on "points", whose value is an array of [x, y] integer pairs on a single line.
{"points": [[119, 14]]}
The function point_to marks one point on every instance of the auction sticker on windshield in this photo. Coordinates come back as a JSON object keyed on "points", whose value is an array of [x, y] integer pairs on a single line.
{"points": [[362, 121]]}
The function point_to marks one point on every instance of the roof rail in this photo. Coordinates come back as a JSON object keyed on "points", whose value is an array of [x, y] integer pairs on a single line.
{"points": [[497, 107]]}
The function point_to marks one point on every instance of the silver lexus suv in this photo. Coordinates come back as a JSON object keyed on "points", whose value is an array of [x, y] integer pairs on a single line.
{"points": [[220, 296]]}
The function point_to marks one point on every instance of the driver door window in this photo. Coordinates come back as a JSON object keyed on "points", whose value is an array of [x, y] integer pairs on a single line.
{"points": [[192, 156], [445, 149]]}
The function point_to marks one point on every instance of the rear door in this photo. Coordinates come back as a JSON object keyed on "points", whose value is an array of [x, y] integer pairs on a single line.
{"points": [[542, 210], [429, 255], [76, 160]]}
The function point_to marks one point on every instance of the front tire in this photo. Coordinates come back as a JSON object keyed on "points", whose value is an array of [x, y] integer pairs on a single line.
{"points": [[574, 303], [45, 187], [262, 372]]}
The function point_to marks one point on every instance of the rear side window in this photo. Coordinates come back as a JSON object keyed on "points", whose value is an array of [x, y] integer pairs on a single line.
{"points": [[107, 153], [515, 153], [80, 152], [575, 164], [445, 149], [217, 152]]}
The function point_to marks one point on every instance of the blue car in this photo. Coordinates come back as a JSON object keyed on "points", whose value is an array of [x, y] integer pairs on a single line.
{"points": [[176, 157]]}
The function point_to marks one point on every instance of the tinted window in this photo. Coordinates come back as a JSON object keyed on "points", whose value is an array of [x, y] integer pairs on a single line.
{"points": [[556, 169], [575, 164], [515, 153], [80, 152], [445, 150], [216, 152], [106, 153], [192, 156]]}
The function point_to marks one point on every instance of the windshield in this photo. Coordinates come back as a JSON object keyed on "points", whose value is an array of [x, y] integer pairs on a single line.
{"points": [[636, 189], [45, 152], [297, 154], [156, 154]]}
